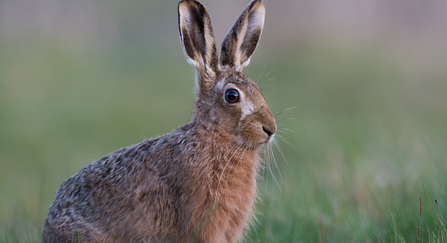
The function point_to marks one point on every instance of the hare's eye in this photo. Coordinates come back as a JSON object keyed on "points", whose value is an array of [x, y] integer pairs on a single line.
{"points": [[232, 96]]}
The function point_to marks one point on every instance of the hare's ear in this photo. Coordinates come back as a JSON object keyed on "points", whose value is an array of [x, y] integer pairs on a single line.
{"points": [[241, 40], [197, 39]]}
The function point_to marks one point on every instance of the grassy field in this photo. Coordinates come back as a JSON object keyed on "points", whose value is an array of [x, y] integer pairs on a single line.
{"points": [[363, 147]]}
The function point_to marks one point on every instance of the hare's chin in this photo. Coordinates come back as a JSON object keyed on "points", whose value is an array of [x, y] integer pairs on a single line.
{"points": [[259, 144]]}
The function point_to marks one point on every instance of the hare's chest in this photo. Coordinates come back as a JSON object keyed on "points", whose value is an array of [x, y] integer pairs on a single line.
{"points": [[227, 217]]}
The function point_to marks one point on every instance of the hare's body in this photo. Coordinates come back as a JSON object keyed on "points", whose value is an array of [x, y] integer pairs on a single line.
{"points": [[196, 184], [134, 194]]}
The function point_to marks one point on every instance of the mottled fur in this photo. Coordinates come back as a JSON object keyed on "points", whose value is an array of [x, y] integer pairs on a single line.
{"points": [[195, 184]]}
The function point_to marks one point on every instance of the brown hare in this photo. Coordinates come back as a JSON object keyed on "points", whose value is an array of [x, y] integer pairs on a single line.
{"points": [[195, 184]]}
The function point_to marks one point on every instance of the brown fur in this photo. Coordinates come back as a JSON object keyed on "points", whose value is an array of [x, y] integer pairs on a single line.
{"points": [[195, 184]]}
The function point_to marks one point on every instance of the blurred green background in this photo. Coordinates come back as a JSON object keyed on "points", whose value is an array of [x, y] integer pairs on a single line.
{"points": [[367, 81]]}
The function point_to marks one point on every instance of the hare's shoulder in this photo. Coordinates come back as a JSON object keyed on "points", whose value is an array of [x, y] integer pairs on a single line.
{"points": [[127, 167]]}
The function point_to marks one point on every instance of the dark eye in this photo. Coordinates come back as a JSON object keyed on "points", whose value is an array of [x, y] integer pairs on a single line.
{"points": [[232, 96]]}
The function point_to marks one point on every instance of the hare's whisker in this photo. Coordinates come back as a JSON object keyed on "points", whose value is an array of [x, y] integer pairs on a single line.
{"points": [[284, 140], [287, 109]]}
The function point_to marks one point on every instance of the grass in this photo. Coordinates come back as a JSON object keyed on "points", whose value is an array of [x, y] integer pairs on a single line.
{"points": [[369, 137]]}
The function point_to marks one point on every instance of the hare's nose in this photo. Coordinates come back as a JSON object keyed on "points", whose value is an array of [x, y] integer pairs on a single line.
{"points": [[269, 125], [266, 130]]}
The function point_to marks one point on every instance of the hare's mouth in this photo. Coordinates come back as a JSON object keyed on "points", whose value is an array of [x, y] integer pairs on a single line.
{"points": [[256, 145], [268, 140]]}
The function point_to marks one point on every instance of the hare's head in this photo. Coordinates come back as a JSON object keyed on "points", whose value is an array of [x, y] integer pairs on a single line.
{"points": [[227, 100]]}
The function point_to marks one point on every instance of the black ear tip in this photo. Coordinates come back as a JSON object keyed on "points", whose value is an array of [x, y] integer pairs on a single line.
{"points": [[257, 1], [255, 4], [191, 4], [185, 2], [192, 1]]}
